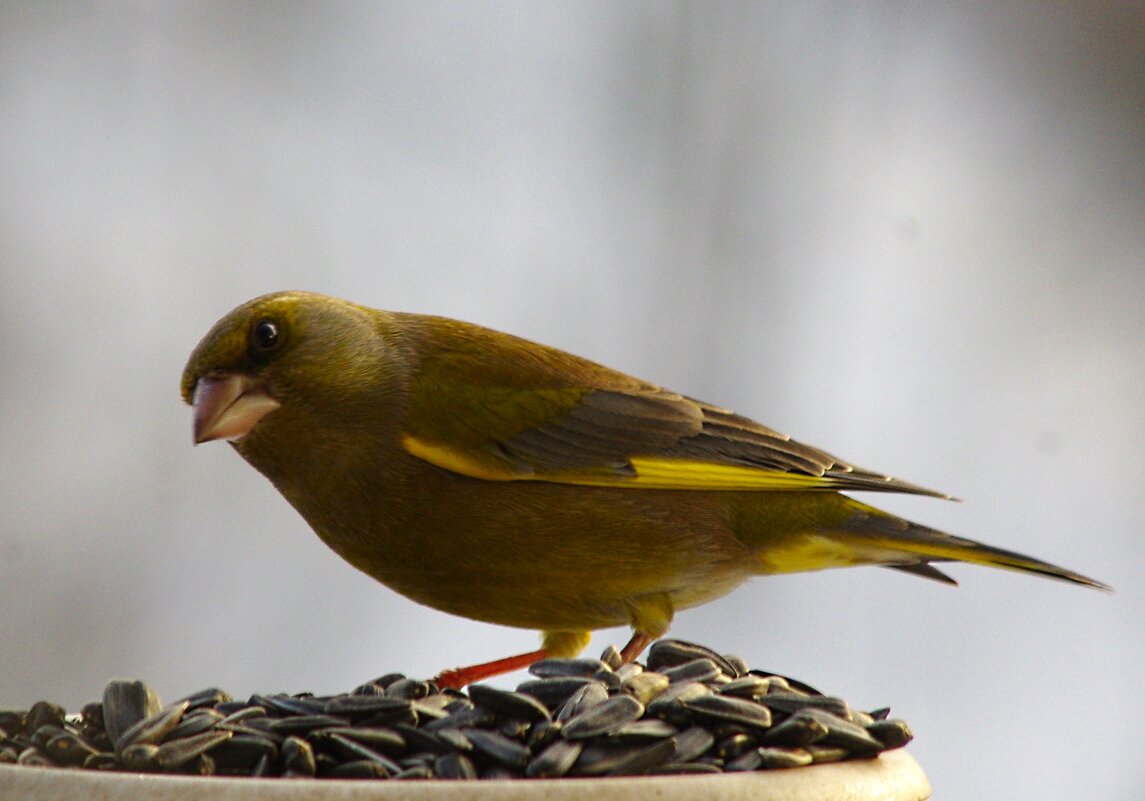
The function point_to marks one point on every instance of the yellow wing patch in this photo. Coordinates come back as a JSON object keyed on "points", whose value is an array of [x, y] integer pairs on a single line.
{"points": [[648, 472], [458, 461], [661, 473]]}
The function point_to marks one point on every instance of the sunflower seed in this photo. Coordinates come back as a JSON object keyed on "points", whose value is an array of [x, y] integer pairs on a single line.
{"points": [[281, 704], [67, 749], [152, 729], [437, 742], [891, 733], [355, 751], [669, 704], [202, 765], [439, 701], [645, 687], [419, 758], [422, 712], [543, 734], [245, 714], [103, 760], [613, 760], [176, 753], [786, 684], [195, 722], [555, 691], [408, 688], [555, 761], [386, 740], [822, 754], [625, 672], [125, 703], [609, 678], [388, 679], [455, 739], [414, 772], [514, 729], [710, 759], [642, 731], [458, 704], [359, 769], [843, 733], [588, 696], [798, 730], [91, 716], [262, 767], [722, 708], [297, 757], [359, 707], [499, 748], [299, 724], [604, 718], [793, 702], [551, 668], [676, 768], [257, 728], [142, 757], [463, 718], [745, 687], [612, 657], [369, 688], [45, 713], [775, 684], [244, 751], [210, 697], [773, 758], [692, 744], [702, 669], [734, 746], [670, 653], [749, 760], [14, 720], [44, 733], [515, 706], [454, 766], [32, 757], [737, 663]]}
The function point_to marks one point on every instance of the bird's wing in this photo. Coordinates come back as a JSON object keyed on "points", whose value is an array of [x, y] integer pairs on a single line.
{"points": [[489, 406]]}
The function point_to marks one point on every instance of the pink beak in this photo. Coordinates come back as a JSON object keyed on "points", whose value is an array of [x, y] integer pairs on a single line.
{"points": [[228, 406]]}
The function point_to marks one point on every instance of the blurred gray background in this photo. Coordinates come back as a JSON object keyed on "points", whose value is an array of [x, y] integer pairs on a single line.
{"points": [[912, 234]]}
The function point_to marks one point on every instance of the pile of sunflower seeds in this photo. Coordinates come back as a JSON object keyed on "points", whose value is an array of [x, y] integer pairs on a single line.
{"points": [[687, 710]]}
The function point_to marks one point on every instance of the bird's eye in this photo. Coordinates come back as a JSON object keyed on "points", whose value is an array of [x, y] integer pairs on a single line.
{"points": [[264, 338]]}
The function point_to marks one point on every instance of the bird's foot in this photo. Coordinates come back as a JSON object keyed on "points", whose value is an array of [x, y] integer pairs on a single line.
{"points": [[456, 678], [635, 646]]}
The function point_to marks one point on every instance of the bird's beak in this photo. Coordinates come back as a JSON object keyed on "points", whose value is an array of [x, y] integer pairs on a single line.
{"points": [[227, 406]]}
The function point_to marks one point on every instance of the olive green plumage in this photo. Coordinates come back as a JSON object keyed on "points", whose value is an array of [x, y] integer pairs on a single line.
{"points": [[506, 481]]}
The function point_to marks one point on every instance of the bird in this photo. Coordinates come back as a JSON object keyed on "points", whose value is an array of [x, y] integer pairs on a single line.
{"points": [[506, 481]]}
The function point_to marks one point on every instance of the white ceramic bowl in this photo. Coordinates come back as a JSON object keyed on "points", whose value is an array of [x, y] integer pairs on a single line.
{"points": [[893, 776]]}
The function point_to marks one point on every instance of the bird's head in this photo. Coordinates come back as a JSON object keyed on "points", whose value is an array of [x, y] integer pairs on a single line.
{"points": [[300, 351]]}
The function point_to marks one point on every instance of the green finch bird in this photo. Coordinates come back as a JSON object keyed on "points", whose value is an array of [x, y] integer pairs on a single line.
{"points": [[506, 481]]}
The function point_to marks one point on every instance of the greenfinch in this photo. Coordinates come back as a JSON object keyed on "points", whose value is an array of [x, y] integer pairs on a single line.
{"points": [[505, 481]]}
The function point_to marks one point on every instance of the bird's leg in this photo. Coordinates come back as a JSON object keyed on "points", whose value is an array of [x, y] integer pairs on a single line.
{"points": [[456, 678], [635, 646], [558, 644]]}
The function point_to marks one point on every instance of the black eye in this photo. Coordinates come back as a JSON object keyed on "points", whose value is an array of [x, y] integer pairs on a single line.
{"points": [[264, 338]]}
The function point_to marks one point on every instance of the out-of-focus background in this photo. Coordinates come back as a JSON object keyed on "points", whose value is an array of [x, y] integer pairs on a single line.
{"points": [[912, 235]]}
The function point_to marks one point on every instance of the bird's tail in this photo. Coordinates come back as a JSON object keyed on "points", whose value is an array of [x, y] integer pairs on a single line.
{"points": [[907, 546]]}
